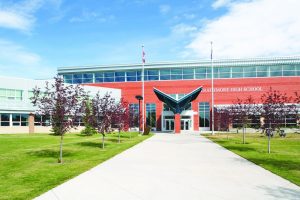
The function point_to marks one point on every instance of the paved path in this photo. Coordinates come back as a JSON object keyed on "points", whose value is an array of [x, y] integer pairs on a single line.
{"points": [[173, 167]]}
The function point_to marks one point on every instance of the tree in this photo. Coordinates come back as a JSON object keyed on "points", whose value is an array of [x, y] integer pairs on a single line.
{"points": [[274, 110], [241, 111], [297, 101], [63, 103], [103, 109], [121, 116], [88, 118]]}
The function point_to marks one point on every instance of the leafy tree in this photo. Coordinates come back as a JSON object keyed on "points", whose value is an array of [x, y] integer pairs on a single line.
{"points": [[296, 106], [63, 103], [222, 119], [274, 109], [88, 118], [103, 109], [242, 110], [120, 116]]}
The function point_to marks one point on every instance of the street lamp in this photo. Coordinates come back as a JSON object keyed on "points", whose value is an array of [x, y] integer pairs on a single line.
{"points": [[139, 97]]}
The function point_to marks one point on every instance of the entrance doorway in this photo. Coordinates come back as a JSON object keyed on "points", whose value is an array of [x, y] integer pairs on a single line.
{"points": [[169, 124], [185, 123]]}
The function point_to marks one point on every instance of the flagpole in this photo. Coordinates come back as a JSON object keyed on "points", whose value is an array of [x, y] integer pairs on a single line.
{"points": [[212, 91], [143, 89]]}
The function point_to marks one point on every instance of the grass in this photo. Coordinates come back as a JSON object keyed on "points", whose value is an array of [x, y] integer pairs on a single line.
{"points": [[28, 163], [284, 159]]}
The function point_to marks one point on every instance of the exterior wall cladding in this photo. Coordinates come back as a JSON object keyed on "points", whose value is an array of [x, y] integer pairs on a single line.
{"points": [[226, 90]]}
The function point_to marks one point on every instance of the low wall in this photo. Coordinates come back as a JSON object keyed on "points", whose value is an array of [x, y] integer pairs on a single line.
{"points": [[37, 129]]}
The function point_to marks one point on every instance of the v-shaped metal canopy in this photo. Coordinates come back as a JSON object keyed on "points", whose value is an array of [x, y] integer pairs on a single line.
{"points": [[177, 106]]}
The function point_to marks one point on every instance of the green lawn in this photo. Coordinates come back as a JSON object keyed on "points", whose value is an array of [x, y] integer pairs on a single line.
{"points": [[283, 160], [28, 163]]}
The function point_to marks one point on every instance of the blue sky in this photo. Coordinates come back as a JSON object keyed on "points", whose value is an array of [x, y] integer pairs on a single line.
{"points": [[37, 36]]}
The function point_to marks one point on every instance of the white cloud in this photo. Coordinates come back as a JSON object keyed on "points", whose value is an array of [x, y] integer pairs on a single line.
{"points": [[250, 29], [18, 61], [21, 15], [13, 53], [13, 20], [183, 29], [164, 9], [221, 3]]}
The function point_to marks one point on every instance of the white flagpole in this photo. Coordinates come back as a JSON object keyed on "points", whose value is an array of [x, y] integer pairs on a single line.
{"points": [[212, 91], [143, 89]]}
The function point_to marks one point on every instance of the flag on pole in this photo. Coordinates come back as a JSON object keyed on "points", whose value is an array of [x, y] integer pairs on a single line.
{"points": [[143, 55]]}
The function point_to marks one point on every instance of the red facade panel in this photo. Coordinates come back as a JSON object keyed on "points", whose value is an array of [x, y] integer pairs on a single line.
{"points": [[226, 91]]}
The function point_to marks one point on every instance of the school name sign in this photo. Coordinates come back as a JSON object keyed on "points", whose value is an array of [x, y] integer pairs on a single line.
{"points": [[235, 89]]}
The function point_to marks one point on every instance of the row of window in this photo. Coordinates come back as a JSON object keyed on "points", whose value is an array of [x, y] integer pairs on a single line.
{"points": [[10, 94], [13, 94], [184, 74], [13, 119]]}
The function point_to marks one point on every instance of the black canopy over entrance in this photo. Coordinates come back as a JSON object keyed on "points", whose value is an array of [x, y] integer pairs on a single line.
{"points": [[177, 106]]}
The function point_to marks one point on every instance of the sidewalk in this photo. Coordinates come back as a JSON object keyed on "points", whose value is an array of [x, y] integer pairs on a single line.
{"points": [[169, 166]]}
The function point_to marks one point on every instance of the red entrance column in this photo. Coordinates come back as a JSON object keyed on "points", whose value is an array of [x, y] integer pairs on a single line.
{"points": [[177, 123]]}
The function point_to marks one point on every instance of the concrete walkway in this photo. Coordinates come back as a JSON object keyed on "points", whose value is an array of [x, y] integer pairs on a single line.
{"points": [[173, 167]]}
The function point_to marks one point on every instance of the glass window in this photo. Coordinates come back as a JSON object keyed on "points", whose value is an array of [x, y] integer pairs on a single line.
{"points": [[152, 72], [99, 77], [68, 76], [185, 76], [237, 72], [288, 67], [262, 68], [16, 117], [131, 78], [262, 74], [120, 79], [24, 119], [200, 70], [87, 76], [188, 71], [119, 73], [4, 119], [289, 73], [131, 73], [151, 114], [138, 76], [76, 76], [2, 92], [41, 120], [119, 76], [165, 74], [176, 71], [200, 76], [204, 114], [250, 72], [152, 75], [109, 77], [275, 70], [289, 70], [224, 72], [134, 115], [176, 74]]}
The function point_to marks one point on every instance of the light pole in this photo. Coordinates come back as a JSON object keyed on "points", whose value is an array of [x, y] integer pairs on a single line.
{"points": [[139, 97]]}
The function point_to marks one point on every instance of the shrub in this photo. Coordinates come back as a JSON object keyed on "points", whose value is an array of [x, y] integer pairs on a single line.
{"points": [[88, 130]]}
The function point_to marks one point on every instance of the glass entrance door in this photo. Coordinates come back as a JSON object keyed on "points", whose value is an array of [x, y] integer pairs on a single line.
{"points": [[169, 124], [185, 124]]}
